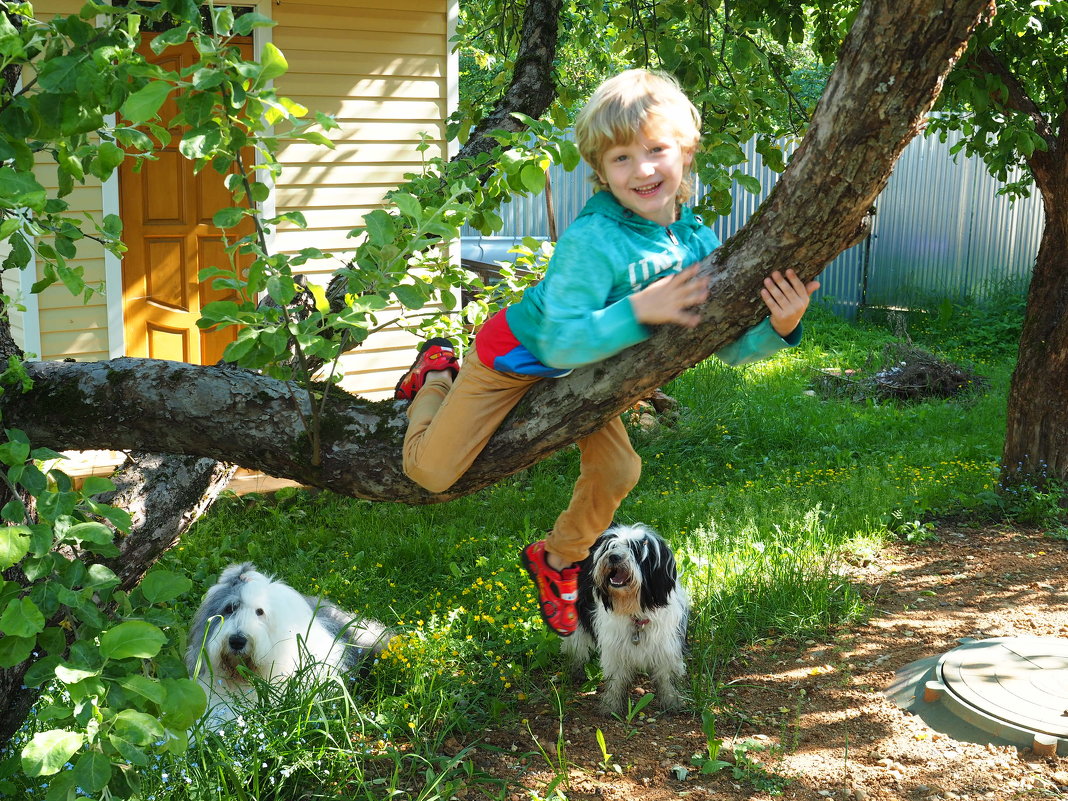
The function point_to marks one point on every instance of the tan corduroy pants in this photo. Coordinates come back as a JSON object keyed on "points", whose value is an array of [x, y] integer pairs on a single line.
{"points": [[450, 422]]}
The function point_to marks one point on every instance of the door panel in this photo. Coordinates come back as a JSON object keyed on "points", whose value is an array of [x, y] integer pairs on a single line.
{"points": [[166, 212]]}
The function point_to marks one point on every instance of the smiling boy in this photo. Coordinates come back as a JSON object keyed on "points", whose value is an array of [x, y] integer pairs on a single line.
{"points": [[628, 262]]}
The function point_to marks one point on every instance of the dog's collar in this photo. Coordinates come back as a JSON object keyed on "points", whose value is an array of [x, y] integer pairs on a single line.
{"points": [[639, 625]]}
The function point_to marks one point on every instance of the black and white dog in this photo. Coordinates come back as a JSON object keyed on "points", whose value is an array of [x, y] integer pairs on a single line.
{"points": [[252, 623], [633, 611]]}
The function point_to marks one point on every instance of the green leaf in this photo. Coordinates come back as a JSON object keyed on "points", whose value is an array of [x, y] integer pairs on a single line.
{"points": [[22, 618], [60, 74], [145, 103], [33, 480], [172, 36], [201, 142], [533, 178], [238, 349], [727, 153], [244, 24], [744, 54], [110, 156], [19, 189], [260, 191], [411, 297], [92, 532], [164, 585], [14, 544], [380, 227], [92, 772], [61, 787], [408, 205], [316, 138], [8, 227], [747, 182], [569, 155], [207, 79], [134, 638], [49, 751], [41, 671], [72, 675], [137, 727], [228, 217], [272, 63], [282, 289], [133, 139], [144, 686], [185, 703], [10, 41], [130, 752], [101, 577], [13, 511], [94, 485], [14, 650]]}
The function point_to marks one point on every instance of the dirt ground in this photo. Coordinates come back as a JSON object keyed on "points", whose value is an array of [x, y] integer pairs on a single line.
{"points": [[809, 720]]}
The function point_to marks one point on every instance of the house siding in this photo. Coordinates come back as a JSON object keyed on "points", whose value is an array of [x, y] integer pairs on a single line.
{"points": [[11, 286], [69, 326], [382, 69]]}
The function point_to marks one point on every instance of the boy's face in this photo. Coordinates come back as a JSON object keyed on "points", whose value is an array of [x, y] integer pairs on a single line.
{"points": [[645, 174]]}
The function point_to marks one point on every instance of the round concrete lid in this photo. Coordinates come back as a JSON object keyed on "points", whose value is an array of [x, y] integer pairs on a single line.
{"points": [[1009, 684]]}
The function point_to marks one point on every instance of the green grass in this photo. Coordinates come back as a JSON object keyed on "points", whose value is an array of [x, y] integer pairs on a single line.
{"points": [[762, 489]]}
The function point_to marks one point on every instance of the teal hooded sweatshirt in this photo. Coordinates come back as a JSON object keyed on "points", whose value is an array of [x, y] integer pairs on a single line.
{"points": [[579, 313]]}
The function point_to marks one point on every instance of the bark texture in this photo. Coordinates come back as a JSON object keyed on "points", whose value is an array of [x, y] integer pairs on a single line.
{"points": [[889, 74], [164, 495], [1036, 435]]}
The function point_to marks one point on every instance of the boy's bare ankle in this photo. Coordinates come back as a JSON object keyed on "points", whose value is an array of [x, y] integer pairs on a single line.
{"points": [[555, 562]]}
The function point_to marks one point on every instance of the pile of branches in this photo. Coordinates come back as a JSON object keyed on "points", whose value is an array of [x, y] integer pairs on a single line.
{"points": [[902, 372]]}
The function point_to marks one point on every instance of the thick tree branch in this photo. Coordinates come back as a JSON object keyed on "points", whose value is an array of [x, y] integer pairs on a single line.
{"points": [[164, 495], [890, 72]]}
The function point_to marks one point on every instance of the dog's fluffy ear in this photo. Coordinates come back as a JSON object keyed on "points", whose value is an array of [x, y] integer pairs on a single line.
{"points": [[227, 588], [659, 573]]}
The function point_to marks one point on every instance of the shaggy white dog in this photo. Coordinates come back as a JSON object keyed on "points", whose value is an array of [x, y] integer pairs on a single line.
{"points": [[252, 623], [634, 612]]}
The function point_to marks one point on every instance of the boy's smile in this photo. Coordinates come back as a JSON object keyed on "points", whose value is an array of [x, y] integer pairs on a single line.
{"points": [[644, 174]]}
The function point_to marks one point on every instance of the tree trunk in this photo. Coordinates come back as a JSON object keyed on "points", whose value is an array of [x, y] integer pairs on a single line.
{"points": [[531, 89], [1036, 437]]}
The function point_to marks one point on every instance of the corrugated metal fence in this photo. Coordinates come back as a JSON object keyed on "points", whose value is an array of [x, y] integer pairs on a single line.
{"points": [[940, 230]]}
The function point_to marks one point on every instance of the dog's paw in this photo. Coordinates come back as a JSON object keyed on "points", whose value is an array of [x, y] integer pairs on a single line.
{"points": [[577, 673], [671, 700]]}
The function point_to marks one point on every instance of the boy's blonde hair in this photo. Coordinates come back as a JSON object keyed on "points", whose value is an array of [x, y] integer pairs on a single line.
{"points": [[624, 105]]}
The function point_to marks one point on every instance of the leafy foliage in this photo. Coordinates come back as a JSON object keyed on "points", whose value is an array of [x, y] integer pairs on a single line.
{"points": [[751, 68], [108, 662], [1003, 97]]}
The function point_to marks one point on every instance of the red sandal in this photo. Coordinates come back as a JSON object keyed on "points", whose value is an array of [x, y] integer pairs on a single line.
{"points": [[434, 354], [557, 589]]}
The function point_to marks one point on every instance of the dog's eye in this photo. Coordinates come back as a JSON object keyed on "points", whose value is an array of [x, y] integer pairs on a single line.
{"points": [[259, 612], [229, 609]]}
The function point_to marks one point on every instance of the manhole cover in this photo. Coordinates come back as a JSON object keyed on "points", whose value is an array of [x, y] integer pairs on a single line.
{"points": [[1014, 688]]}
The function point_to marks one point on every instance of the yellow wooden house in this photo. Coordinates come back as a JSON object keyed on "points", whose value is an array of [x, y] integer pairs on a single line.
{"points": [[383, 68]]}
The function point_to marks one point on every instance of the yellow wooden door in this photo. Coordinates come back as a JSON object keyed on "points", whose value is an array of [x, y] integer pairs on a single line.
{"points": [[167, 222]]}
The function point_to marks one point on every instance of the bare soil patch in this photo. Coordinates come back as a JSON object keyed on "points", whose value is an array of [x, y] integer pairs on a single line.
{"points": [[809, 720]]}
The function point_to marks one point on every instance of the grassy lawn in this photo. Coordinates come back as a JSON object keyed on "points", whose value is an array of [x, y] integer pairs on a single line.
{"points": [[762, 486]]}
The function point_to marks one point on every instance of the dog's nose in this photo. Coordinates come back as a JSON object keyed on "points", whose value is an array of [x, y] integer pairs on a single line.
{"points": [[238, 642], [614, 559]]}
